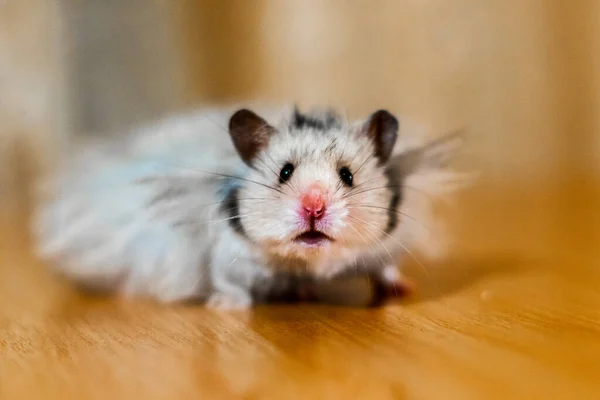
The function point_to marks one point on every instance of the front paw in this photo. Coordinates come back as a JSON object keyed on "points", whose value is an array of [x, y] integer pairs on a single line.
{"points": [[390, 284], [229, 301]]}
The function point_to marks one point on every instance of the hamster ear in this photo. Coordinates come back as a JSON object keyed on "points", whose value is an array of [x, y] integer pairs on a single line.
{"points": [[250, 134], [382, 128]]}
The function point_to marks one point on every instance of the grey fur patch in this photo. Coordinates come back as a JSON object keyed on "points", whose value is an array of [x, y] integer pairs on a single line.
{"points": [[231, 208], [394, 184], [321, 121]]}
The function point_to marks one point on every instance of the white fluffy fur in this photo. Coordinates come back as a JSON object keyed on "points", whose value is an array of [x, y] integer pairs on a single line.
{"points": [[140, 215]]}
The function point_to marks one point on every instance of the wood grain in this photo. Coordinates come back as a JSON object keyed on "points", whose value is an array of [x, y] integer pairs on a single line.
{"points": [[512, 313]]}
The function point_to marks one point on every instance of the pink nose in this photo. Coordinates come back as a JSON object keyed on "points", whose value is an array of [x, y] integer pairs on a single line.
{"points": [[313, 202]]}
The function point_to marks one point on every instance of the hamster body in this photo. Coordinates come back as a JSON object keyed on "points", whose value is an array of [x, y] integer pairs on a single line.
{"points": [[233, 207]]}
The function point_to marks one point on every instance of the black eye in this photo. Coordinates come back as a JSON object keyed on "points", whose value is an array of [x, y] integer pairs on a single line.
{"points": [[346, 176], [286, 172]]}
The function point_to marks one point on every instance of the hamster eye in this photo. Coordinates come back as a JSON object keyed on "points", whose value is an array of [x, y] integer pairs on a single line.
{"points": [[346, 176], [286, 173]]}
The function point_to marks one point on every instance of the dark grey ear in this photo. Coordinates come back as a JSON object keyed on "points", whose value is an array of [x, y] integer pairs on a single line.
{"points": [[250, 134], [382, 128], [433, 155]]}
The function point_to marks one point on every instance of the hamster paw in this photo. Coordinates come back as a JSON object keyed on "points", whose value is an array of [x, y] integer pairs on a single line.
{"points": [[229, 301], [391, 284]]}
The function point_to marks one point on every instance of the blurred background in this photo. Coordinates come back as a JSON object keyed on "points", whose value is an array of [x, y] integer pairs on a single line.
{"points": [[521, 76]]}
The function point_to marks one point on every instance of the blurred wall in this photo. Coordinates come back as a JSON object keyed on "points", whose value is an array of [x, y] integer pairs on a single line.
{"points": [[520, 76], [33, 112], [125, 62]]}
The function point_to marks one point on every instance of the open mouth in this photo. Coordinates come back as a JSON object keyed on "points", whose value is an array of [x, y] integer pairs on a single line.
{"points": [[313, 238]]}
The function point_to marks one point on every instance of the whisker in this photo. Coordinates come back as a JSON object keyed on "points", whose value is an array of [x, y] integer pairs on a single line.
{"points": [[348, 139], [363, 163], [352, 193], [230, 177], [217, 173], [231, 263], [230, 218], [358, 205], [217, 124], [421, 224], [379, 242], [290, 183], [212, 222], [266, 165], [353, 190], [189, 212], [342, 157], [365, 182], [287, 183], [403, 247], [337, 188], [362, 255], [195, 207], [343, 237]]}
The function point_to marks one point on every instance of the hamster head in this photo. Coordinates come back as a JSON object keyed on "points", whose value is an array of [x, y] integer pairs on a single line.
{"points": [[317, 185]]}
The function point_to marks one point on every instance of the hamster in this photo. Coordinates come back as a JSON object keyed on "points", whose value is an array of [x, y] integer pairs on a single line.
{"points": [[234, 207]]}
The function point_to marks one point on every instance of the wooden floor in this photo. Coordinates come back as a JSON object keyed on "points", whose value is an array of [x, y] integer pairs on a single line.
{"points": [[514, 313]]}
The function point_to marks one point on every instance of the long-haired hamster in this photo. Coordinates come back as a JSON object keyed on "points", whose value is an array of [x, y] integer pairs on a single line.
{"points": [[234, 207]]}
